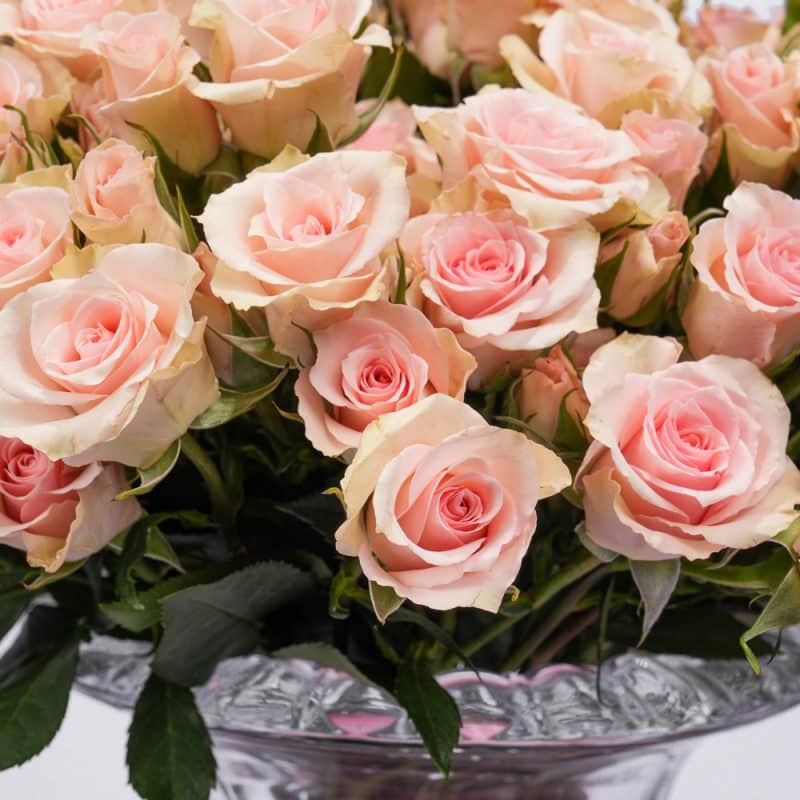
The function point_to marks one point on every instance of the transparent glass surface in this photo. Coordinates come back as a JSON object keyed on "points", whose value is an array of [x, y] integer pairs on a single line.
{"points": [[287, 730]]}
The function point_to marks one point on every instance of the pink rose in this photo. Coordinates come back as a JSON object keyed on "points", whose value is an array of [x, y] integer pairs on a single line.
{"points": [[554, 381], [384, 358], [476, 34], [55, 28], [651, 257], [746, 299], [40, 88], [34, 232], [724, 28], [688, 458], [441, 31], [756, 96], [426, 21], [114, 198], [307, 240], [600, 64], [555, 165], [147, 80], [109, 366], [642, 15], [395, 130], [441, 507], [276, 65], [56, 513], [671, 148], [500, 285]]}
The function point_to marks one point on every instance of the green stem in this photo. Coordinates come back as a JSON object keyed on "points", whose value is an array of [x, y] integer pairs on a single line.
{"points": [[221, 508], [574, 572], [546, 654], [546, 592], [560, 613]]}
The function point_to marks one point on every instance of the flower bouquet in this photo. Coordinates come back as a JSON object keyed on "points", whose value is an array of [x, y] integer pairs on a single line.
{"points": [[393, 337]]}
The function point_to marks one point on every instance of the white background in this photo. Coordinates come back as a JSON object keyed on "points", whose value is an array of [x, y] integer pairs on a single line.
{"points": [[87, 759]]}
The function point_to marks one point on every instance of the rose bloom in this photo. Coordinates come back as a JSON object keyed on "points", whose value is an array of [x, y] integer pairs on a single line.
{"points": [[39, 87], [394, 130], [441, 29], [441, 507], [279, 66], [109, 366], [114, 198], [688, 458], [756, 96], [746, 299], [384, 358], [554, 381], [724, 28], [55, 29], [35, 230], [500, 285], [601, 64], [673, 149], [641, 15], [554, 164], [306, 241], [147, 80], [56, 513], [651, 257]]}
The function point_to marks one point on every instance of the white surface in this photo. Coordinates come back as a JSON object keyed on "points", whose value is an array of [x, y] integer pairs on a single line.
{"points": [[87, 761]]}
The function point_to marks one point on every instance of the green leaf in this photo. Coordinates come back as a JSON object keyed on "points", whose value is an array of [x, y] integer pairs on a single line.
{"points": [[133, 550], [81, 120], [569, 434], [36, 677], [206, 624], [169, 749], [656, 581], [385, 601], [151, 476], [701, 631], [326, 656], [186, 223], [414, 84], [431, 708], [259, 348], [321, 512], [763, 576], [144, 611], [232, 404], [606, 273], [163, 193], [402, 278], [368, 117], [782, 610], [172, 173], [653, 309], [792, 17], [789, 538], [41, 579], [71, 150], [320, 141]]}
